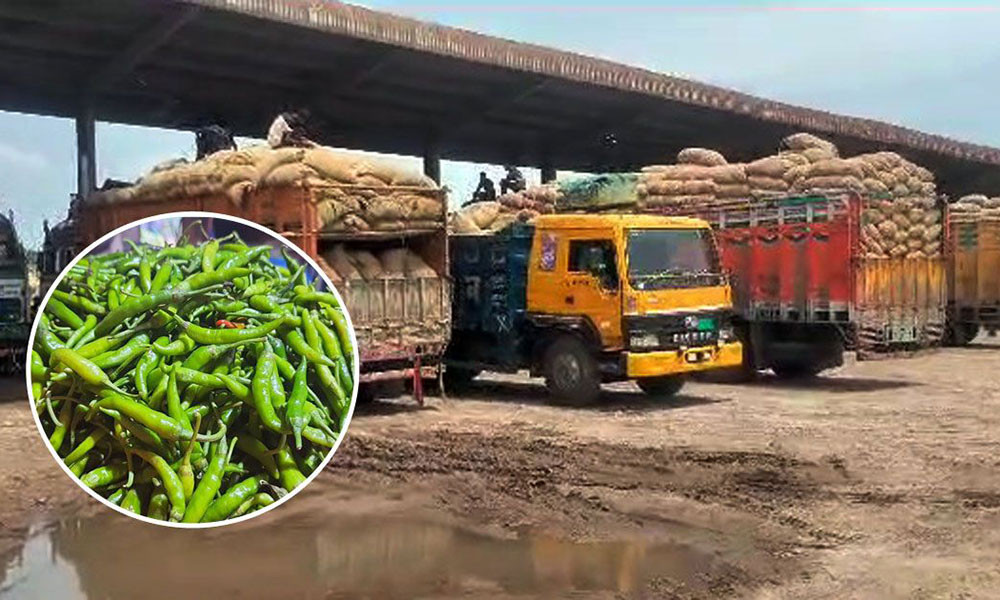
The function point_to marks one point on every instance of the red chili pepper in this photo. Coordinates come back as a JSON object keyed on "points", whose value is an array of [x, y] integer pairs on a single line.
{"points": [[229, 324]]}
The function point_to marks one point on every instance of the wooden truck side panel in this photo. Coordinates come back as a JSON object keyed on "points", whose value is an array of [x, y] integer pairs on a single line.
{"points": [[974, 268], [399, 322]]}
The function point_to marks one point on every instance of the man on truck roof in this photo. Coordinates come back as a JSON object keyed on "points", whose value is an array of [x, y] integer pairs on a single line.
{"points": [[485, 191], [289, 129]]}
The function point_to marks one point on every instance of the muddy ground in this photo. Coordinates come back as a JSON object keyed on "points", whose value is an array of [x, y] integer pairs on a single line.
{"points": [[879, 480]]}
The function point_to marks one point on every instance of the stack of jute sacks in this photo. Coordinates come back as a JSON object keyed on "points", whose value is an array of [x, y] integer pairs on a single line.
{"points": [[487, 217], [974, 207], [536, 199], [392, 293], [700, 176], [353, 193]]}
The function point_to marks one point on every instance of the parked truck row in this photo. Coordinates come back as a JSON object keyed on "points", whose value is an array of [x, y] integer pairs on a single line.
{"points": [[650, 293]]}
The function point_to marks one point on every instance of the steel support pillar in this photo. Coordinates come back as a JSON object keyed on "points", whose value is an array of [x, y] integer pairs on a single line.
{"points": [[86, 151], [432, 162]]}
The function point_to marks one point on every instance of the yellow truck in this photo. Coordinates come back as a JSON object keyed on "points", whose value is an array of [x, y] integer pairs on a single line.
{"points": [[585, 299]]}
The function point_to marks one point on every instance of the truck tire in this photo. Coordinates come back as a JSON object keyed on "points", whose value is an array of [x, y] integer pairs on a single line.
{"points": [[960, 334], [458, 379], [571, 372], [661, 387], [795, 370]]}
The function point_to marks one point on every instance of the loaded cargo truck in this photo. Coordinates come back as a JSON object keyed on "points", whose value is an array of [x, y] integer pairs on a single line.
{"points": [[14, 298], [588, 299], [806, 290], [401, 319], [973, 255]]}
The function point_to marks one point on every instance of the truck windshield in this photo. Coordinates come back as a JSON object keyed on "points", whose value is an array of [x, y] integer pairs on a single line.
{"points": [[671, 258]]}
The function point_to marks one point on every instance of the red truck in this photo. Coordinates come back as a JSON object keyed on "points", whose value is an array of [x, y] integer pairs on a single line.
{"points": [[805, 291]]}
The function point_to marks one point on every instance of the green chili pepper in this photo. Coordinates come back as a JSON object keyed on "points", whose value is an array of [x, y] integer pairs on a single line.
{"points": [[144, 304], [299, 345], [259, 452], [209, 485], [48, 342], [80, 302], [182, 345], [39, 372], [59, 434], [162, 277], [105, 476], [146, 364], [82, 332], [261, 391], [131, 502], [84, 368], [145, 274], [208, 256], [203, 335], [159, 506], [295, 411], [64, 313], [124, 355], [161, 424], [231, 500], [290, 475], [100, 346], [171, 482], [79, 467]]}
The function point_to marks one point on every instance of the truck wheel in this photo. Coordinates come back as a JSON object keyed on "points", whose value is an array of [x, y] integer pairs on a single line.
{"points": [[571, 373], [457, 378], [661, 387], [795, 370]]}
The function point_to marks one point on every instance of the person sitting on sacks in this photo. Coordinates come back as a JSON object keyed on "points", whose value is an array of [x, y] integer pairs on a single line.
{"points": [[289, 130], [513, 181], [212, 139], [485, 191]]}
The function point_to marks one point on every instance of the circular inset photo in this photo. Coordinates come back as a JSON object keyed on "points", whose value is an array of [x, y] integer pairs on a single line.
{"points": [[192, 369]]}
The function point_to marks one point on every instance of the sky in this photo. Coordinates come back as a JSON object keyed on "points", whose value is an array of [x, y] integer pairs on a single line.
{"points": [[930, 66]]}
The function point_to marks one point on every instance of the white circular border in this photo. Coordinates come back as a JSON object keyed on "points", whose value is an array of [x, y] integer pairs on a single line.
{"points": [[195, 214]]}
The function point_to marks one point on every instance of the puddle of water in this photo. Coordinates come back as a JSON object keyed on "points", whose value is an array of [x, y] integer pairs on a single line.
{"points": [[319, 554]]}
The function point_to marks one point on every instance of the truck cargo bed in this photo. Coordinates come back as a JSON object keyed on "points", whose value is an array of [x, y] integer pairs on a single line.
{"points": [[798, 268], [402, 324]]}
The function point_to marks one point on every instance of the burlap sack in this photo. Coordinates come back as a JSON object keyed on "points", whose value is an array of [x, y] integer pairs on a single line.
{"points": [[874, 186], [338, 258], [483, 213], [367, 264], [769, 184], [682, 187], [829, 182], [738, 190], [806, 141], [333, 166], [288, 174], [416, 267], [277, 158], [393, 262], [461, 222], [834, 167], [700, 156], [728, 174], [815, 155], [770, 166]]}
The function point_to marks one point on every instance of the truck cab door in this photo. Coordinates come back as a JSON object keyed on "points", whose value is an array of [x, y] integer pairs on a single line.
{"points": [[592, 287]]}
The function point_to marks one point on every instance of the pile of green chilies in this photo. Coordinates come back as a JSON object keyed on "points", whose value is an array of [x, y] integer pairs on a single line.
{"points": [[192, 383]]}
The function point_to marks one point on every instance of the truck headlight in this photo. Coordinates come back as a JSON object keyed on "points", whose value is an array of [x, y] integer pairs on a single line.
{"points": [[644, 340]]}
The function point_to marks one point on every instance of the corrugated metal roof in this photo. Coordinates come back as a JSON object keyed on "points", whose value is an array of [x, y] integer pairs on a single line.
{"points": [[384, 28]]}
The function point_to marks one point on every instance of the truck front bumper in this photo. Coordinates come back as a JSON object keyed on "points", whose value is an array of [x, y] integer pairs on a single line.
{"points": [[688, 360]]}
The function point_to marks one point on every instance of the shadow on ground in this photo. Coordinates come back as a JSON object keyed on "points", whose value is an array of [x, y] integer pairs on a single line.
{"points": [[610, 400]]}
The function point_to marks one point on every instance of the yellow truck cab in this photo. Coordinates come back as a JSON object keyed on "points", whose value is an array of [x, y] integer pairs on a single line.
{"points": [[583, 299]]}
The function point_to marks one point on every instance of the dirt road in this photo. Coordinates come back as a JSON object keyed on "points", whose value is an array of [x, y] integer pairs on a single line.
{"points": [[880, 480]]}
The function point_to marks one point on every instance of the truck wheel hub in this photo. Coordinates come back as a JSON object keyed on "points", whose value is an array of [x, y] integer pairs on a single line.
{"points": [[567, 370]]}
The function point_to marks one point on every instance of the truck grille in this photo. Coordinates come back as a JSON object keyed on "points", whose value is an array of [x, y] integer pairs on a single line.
{"points": [[675, 330]]}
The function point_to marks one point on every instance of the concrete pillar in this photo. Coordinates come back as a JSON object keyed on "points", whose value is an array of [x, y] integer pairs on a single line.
{"points": [[432, 156], [86, 152], [548, 174]]}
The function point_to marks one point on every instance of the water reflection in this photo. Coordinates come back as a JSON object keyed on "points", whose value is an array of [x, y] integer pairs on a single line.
{"points": [[316, 554]]}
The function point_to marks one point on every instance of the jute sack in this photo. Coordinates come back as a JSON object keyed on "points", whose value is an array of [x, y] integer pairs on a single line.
{"points": [[483, 213], [288, 174], [769, 166], [277, 158], [728, 174], [769, 184], [815, 155], [700, 156], [332, 166], [341, 262], [393, 261], [417, 267], [834, 167], [806, 141], [462, 222], [737, 190], [368, 265]]}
